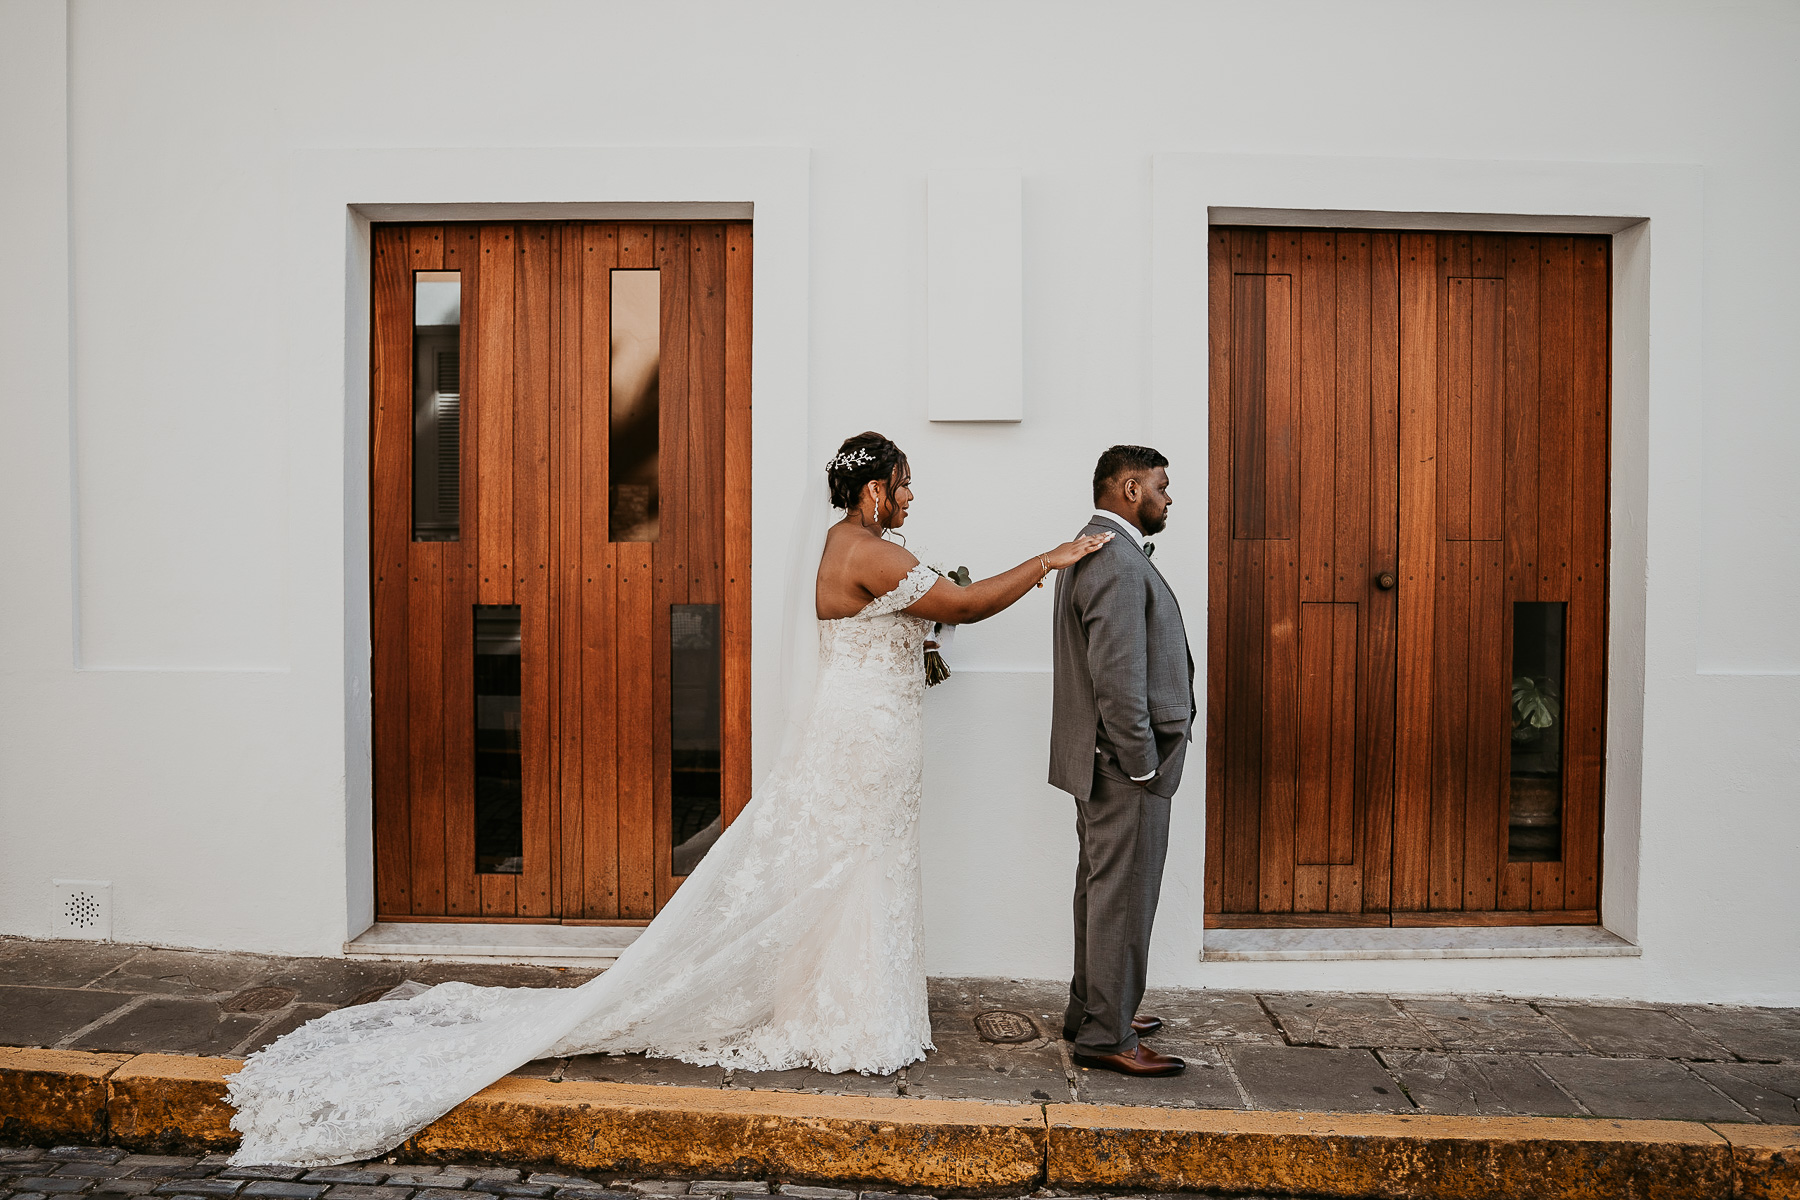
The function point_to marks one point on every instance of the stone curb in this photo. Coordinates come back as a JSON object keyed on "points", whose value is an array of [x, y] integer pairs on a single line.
{"points": [[646, 1129], [166, 1102], [1468, 1158], [55, 1093], [172, 1101]]}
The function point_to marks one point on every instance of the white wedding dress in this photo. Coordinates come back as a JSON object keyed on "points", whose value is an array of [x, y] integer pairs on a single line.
{"points": [[794, 943]]}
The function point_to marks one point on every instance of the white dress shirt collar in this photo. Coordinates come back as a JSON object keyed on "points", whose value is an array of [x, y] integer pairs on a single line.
{"points": [[1121, 523]]}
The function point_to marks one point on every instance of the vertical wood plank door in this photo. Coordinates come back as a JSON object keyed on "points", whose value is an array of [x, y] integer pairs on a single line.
{"points": [[560, 550], [1407, 591]]}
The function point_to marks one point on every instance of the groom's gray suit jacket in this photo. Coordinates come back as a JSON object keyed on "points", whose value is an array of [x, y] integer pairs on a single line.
{"points": [[1124, 682]]}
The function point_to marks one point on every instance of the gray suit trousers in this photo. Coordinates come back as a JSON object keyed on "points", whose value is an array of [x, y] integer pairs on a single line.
{"points": [[1124, 834]]}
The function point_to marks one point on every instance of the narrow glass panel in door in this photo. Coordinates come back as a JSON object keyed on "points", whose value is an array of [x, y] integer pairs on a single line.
{"points": [[636, 368], [437, 405], [1534, 817], [499, 777], [694, 819]]}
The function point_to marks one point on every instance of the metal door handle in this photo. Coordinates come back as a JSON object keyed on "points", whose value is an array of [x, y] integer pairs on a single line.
{"points": [[1385, 581]]}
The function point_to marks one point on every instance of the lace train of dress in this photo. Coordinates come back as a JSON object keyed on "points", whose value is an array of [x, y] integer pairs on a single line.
{"points": [[794, 943]]}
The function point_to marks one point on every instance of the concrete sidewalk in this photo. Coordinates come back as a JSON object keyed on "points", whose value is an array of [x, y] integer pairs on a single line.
{"points": [[1324, 1094]]}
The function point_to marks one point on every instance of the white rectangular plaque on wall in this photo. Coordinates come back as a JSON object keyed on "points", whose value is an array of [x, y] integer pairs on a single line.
{"points": [[975, 295]]}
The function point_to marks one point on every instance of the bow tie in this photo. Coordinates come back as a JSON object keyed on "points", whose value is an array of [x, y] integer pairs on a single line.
{"points": [[1149, 549]]}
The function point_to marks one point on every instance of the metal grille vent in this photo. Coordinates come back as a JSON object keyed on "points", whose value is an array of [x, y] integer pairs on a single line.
{"points": [[81, 909]]}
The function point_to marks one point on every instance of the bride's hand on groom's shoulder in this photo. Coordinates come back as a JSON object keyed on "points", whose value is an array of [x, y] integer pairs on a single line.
{"points": [[1070, 553], [950, 604]]}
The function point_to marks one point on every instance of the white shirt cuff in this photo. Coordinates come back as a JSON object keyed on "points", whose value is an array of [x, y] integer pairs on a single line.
{"points": [[1135, 778]]}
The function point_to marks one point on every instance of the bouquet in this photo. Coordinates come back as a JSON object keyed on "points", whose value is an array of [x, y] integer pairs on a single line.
{"points": [[936, 669]]}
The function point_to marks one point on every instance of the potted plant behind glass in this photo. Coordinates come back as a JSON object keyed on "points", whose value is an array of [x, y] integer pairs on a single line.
{"points": [[1534, 810], [1534, 706]]}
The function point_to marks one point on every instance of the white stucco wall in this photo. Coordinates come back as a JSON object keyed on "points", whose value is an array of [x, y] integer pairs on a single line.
{"points": [[179, 686]]}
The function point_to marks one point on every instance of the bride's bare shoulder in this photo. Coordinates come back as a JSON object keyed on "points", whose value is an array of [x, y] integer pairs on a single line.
{"points": [[856, 568], [850, 549]]}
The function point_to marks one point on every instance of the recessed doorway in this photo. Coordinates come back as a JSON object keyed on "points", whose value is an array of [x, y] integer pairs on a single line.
{"points": [[560, 548], [1407, 577]]}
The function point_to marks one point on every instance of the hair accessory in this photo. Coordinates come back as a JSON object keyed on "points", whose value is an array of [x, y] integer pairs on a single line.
{"points": [[855, 458]]}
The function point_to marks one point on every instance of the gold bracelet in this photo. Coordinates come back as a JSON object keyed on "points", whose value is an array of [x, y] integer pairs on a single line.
{"points": [[1042, 563]]}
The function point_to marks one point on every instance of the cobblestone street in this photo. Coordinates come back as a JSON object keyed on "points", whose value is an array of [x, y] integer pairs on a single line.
{"points": [[105, 1173]]}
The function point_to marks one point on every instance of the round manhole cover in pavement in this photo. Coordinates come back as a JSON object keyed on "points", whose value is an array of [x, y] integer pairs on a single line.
{"points": [[1006, 1027], [260, 999]]}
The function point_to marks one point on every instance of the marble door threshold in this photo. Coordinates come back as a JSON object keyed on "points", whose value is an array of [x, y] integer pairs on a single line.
{"points": [[543, 945], [1513, 941]]}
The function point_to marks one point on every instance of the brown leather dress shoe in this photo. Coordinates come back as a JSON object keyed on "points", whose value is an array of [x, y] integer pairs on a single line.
{"points": [[1142, 1061]]}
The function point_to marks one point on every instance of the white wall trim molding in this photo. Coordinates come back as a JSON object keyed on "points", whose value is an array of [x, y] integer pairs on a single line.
{"points": [[1656, 404], [333, 195], [643, 210]]}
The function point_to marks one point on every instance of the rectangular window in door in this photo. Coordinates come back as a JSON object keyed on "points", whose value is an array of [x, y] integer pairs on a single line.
{"points": [[499, 774], [694, 819], [437, 405], [634, 461], [1534, 812]]}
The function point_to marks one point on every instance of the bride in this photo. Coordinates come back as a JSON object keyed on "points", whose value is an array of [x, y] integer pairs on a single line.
{"points": [[794, 943]]}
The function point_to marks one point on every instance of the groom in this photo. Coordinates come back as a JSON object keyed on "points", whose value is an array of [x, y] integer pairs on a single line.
{"points": [[1121, 719]]}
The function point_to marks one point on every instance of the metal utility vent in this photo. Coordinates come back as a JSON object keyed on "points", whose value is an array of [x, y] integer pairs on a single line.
{"points": [[259, 999], [81, 909], [1004, 1027]]}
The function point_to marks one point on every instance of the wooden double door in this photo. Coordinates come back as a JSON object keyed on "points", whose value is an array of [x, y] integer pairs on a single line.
{"points": [[560, 507], [1408, 577]]}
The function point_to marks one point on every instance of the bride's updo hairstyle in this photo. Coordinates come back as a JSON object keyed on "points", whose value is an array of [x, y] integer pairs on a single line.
{"points": [[865, 457]]}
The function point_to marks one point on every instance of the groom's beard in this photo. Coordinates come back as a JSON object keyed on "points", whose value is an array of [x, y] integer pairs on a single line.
{"points": [[1152, 525]]}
